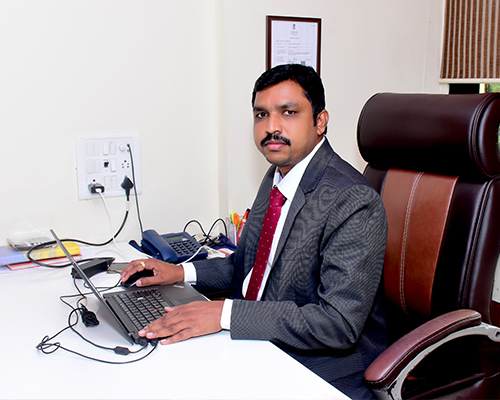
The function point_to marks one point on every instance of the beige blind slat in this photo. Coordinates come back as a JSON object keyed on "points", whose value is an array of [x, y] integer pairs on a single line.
{"points": [[471, 41]]}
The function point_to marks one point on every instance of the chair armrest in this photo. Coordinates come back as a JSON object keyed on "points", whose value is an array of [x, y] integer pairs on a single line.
{"points": [[386, 368]]}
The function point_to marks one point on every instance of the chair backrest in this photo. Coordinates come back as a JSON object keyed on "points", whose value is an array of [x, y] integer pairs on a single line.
{"points": [[435, 159]]}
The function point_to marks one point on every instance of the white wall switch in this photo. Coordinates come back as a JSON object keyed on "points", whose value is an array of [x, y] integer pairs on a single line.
{"points": [[106, 159]]}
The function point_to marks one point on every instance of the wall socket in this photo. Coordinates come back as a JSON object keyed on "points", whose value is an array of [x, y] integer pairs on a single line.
{"points": [[106, 159]]}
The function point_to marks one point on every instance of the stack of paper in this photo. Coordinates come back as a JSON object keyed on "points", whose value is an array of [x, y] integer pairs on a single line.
{"points": [[53, 255]]}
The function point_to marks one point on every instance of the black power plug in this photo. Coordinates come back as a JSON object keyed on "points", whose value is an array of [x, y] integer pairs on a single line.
{"points": [[127, 184], [96, 187], [88, 317]]}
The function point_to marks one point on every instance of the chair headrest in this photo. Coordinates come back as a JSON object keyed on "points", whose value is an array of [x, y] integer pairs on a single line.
{"points": [[442, 134]]}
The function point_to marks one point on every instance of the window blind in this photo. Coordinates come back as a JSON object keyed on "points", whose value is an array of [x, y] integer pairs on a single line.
{"points": [[471, 42]]}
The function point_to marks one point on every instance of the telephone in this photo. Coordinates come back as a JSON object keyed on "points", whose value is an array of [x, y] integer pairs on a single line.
{"points": [[172, 247]]}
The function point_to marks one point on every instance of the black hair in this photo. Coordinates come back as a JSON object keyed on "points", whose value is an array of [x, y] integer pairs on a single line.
{"points": [[303, 75]]}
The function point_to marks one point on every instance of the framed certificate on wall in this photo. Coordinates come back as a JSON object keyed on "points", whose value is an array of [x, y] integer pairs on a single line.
{"points": [[293, 40]]}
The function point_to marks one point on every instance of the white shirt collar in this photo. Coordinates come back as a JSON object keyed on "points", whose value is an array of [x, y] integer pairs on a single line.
{"points": [[288, 185]]}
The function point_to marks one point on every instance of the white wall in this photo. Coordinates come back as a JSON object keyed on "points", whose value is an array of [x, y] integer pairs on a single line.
{"points": [[181, 74], [367, 47]]}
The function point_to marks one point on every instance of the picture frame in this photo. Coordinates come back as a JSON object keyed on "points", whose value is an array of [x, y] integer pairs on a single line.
{"points": [[293, 40]]}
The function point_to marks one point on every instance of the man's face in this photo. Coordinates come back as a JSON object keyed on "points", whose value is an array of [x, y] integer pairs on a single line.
{"points": [[284, 129]]}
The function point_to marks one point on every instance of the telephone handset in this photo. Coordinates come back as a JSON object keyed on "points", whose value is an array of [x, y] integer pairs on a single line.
{"points": [[172, 247]]}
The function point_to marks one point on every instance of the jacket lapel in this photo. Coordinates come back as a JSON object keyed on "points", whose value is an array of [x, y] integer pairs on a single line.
{"points": [[307, 185]]}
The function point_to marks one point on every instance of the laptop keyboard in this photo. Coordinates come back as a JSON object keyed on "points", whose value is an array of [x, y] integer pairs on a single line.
{"points": [[142, 306]]}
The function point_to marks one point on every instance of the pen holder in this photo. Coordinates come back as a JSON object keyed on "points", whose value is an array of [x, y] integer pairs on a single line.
{"points": [[231, 230]]}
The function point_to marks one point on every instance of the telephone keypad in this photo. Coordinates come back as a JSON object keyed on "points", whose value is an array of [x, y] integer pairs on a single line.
{"points": [[183, 247]]}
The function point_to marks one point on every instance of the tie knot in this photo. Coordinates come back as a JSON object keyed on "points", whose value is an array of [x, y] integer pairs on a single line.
{"points": [[277, 199]]}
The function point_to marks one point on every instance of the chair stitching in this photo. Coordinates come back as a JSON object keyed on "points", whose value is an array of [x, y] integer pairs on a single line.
{"points": [[405, 237]]}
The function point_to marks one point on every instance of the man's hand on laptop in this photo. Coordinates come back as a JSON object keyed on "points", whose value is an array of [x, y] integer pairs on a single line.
{"points": [[164, 273], [183, 322]]}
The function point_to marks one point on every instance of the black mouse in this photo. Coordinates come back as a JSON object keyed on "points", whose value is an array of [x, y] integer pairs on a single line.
{"points": [[138, 275]]}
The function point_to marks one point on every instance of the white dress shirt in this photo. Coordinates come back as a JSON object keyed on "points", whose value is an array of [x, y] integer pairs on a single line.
{"points": [[287, 186]]}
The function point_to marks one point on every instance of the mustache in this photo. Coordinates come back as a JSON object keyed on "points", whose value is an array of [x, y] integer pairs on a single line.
{"points": [[277, 137]]}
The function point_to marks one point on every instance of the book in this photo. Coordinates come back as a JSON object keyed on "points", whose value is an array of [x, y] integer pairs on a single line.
{"points": [[9, 255], [50, 261]]}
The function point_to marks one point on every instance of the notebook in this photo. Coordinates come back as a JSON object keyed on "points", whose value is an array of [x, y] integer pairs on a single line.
{"points": [[149, 301]]}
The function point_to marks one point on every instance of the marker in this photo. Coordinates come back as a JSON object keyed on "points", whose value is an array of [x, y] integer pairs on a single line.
{"points": [[243, 221], [236, 220]]}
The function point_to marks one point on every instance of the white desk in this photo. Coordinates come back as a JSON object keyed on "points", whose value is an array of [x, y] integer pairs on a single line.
{"points": [[214, 366]]}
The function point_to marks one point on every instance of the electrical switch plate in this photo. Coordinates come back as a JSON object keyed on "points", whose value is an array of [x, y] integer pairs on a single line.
{"points": [[106, 159]]}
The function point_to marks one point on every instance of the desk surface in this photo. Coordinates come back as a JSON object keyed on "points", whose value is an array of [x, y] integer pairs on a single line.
{"points": [[212, 366]]}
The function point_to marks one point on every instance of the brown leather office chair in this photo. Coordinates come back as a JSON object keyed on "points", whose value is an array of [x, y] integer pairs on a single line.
{"points": [[435, 159]]}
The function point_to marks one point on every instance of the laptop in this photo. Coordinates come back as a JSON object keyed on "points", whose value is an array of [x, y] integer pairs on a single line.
{"points": [[133, 308]]}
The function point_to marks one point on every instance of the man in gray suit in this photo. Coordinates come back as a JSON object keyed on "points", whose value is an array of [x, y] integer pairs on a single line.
{"points": [[318, 296]]}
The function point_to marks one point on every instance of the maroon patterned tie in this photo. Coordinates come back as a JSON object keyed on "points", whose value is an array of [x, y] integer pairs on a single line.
{"points": [[271, 218]]}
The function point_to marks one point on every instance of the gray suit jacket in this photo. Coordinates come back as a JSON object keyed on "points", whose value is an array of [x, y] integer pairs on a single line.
{"points": [[322, 301]]}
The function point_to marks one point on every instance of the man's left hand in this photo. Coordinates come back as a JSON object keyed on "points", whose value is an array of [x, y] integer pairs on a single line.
{"points": [[183, 322]]}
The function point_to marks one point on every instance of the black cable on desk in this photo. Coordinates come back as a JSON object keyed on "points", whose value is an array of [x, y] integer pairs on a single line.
{"points": [[53, 242], [208, 241], [48, 347]]}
